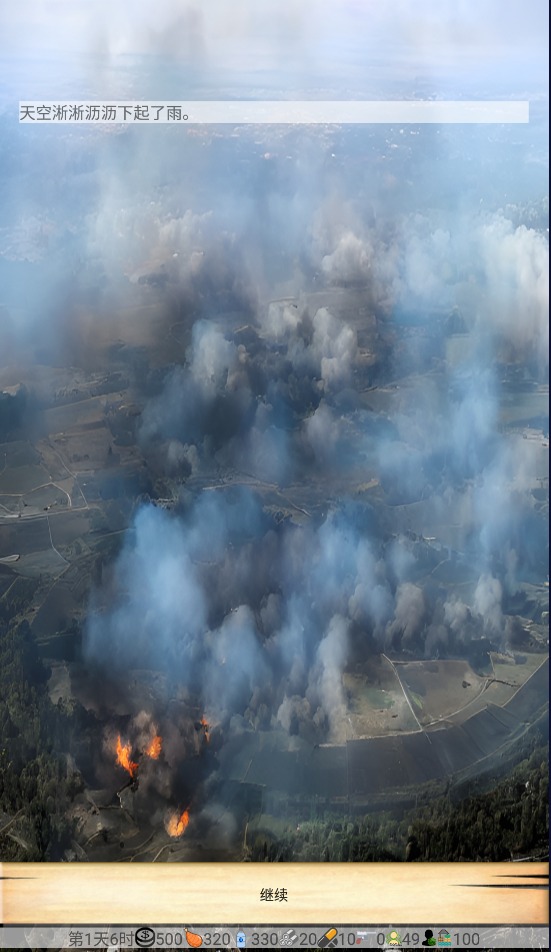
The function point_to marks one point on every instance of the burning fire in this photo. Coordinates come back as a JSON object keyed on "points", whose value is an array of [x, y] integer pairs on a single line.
{"points": [[123, 757], [154, 748], [206, 728], [124, 752], [177, 825]]}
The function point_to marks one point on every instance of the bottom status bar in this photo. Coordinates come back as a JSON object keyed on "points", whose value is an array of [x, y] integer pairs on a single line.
{"points": [[386, 936]]}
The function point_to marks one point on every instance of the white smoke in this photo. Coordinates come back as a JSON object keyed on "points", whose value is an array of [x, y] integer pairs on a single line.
{"points": [[487, 603]]}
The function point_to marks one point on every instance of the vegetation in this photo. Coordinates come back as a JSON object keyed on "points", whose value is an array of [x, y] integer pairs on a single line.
{"points": [[36, 785], [15, 412], [508, 822]]}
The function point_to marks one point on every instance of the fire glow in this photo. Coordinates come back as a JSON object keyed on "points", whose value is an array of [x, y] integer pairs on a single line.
{"points": [[154, 748], [206, 728], [123, 757], [124, 754], [176, 825]]}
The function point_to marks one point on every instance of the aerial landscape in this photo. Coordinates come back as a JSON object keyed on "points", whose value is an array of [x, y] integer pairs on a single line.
{"points": [[274, 444]]}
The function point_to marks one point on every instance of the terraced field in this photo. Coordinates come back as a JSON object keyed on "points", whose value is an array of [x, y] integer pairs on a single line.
{"points": [[368, 768]]}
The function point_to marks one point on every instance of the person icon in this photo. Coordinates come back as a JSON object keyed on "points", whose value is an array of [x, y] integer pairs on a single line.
{"points": [[429, 938]]}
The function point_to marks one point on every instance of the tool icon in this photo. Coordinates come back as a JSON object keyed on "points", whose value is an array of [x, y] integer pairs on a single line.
{"points": [[289, 938], [327, 940]]}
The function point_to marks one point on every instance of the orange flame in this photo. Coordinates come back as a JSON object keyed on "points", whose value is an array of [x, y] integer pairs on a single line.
{"points": [[206, 728], [177, 825], [155, 747], [123, 757]]}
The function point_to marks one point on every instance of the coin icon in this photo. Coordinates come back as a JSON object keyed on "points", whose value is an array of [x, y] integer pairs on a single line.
{"points": [[145, 937]]}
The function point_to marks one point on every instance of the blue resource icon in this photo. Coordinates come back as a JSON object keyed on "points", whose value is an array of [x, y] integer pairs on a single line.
{"points": [[241, 940]]}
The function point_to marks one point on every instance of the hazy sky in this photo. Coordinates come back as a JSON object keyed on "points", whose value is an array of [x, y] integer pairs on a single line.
{"points": [[337, 42]]}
